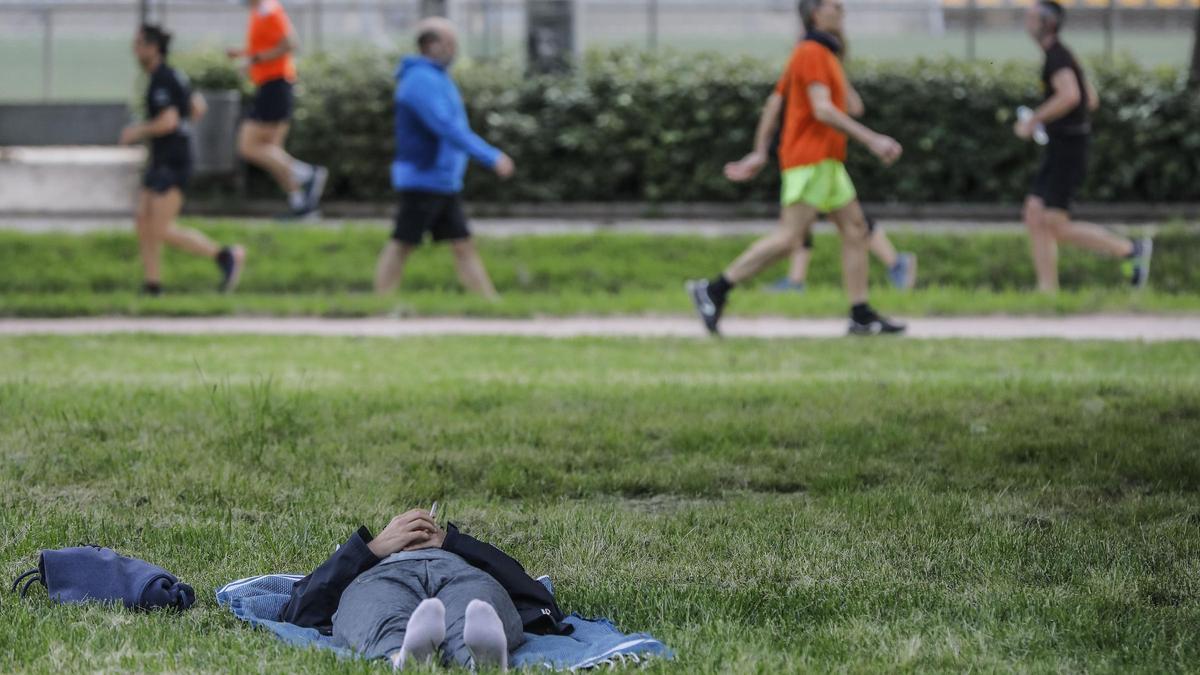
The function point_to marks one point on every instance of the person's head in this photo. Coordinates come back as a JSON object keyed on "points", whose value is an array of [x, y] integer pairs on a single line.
{"points": [[437, 40], [1044, 19], [822, 15], [150, 45]]}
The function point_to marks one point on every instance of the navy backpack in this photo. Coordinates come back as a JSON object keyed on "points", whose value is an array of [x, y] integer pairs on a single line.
{"points": [[91, 573]]}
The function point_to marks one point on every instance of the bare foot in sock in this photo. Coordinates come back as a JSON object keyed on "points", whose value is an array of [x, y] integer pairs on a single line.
{"points": [[484, 634], [425, 632]]}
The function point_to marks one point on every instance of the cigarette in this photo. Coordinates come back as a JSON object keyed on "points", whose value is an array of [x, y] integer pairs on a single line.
{"points": [[433, 511]]}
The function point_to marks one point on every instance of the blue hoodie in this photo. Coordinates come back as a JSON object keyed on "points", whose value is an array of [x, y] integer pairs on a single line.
{"points": [[433, 137]]}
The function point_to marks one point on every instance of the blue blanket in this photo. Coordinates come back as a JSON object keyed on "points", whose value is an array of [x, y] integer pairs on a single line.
{"points": [[258, 601]]}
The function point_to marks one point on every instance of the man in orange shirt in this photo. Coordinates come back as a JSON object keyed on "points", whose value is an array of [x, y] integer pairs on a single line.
{"points": [[812, 152], [270, 41]]}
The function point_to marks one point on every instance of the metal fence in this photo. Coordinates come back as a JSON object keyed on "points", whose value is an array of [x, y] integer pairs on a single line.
{"points": [[62, 50]]}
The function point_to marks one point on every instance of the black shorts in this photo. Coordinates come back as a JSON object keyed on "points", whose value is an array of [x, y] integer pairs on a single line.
{"points": [[160, 178], [1063, 169], [440, 215], [272, 102]]}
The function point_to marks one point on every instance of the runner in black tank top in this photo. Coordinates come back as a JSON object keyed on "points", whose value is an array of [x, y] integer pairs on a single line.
{"points": [[171, 109], [1065, 112]]}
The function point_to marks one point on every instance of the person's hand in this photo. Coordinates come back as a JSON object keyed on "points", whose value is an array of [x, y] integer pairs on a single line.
{"points": [[435, 540], [233, 53], [886, 148], [405, 530], [1024, 128], [745, 168], [129, 136], [504, 167]]}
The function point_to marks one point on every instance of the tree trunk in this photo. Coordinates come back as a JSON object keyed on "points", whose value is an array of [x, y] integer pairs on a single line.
{"points": [[433, 8], [551, 25]]}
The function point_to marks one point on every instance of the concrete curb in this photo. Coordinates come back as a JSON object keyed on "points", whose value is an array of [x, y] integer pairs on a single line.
{"points": [[1107, 213]]}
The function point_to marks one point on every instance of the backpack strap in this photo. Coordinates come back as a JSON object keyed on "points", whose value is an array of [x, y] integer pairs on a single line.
{"points": [[33, 578]]}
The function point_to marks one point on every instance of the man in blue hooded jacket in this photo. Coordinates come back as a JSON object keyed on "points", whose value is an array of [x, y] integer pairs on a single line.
{"points": [[434, 142]]}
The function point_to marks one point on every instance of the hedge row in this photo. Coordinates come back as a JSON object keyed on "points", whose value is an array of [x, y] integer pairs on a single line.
{"points": [[636, 126]]}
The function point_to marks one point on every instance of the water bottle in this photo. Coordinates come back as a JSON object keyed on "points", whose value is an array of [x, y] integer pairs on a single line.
{"points": [[1039, 133]]}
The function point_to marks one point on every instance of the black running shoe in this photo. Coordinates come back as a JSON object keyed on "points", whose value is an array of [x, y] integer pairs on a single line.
{"points": [[232, 261], [874, 324], [708, 309]]}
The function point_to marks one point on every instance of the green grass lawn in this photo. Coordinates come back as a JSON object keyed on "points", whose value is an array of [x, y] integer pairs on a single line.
{"points": [[763, 506], [328, 271]]}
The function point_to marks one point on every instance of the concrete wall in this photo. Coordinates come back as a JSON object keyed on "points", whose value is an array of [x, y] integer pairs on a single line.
{"points": [[69, 181], [36, 124]]}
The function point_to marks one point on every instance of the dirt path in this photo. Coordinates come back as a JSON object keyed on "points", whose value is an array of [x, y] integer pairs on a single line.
{"points": [[1097, 327]]}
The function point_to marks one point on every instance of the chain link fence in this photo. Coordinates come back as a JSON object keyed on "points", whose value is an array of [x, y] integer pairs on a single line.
{"points": [[61, 50]]}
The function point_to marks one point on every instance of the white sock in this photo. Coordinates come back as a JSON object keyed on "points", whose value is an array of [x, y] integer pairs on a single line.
{"points": [[301, 172], [297, 200], [484, 634], [426, 631]]}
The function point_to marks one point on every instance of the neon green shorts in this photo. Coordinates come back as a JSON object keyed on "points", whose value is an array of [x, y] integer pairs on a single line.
{"points": [[825, 186]]}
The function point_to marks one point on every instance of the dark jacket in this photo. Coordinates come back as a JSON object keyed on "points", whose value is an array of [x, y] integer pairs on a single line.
{"points": [[315, 597]]}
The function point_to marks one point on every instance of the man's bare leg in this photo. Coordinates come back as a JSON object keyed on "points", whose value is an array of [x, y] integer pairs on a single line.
{"points": [[261, 144], [794, 221], [149, 243], [164, 209], [1086, 235], [471, 271], [1042, 245], [798, 268], [390, 267], [852, 226], [883, 249]]}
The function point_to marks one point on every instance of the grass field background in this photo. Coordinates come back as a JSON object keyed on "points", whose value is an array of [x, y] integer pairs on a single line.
{"points": [[298, 270], [763, 506]]}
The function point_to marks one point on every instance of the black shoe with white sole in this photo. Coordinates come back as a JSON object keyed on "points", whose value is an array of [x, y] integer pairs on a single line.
{"points": [[874, 324], [708, 309]]}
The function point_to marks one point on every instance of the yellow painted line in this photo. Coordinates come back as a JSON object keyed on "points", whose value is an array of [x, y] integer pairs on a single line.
{"points": [[1167, 3], [1096, 3]]}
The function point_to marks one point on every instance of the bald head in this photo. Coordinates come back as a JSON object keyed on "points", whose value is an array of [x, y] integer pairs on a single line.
{"points": [[437, 38]]}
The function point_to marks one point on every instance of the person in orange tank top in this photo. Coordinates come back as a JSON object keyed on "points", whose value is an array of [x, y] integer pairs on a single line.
{"points": [[270, 41], [901, 267], [812, 152]]}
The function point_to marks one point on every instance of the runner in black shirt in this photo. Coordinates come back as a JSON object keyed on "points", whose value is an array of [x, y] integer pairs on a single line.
{"points": [[1065, 113], [171, 109]]}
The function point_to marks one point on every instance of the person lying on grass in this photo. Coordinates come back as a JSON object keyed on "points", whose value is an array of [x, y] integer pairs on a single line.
{"points": [[417, 589]]}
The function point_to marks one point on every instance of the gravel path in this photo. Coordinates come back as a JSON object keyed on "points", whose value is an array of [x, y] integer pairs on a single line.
{"points": [[1097, 327]]}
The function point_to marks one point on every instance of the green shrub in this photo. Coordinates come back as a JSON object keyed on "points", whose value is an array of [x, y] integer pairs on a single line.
{"points": [[657, 127]]}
